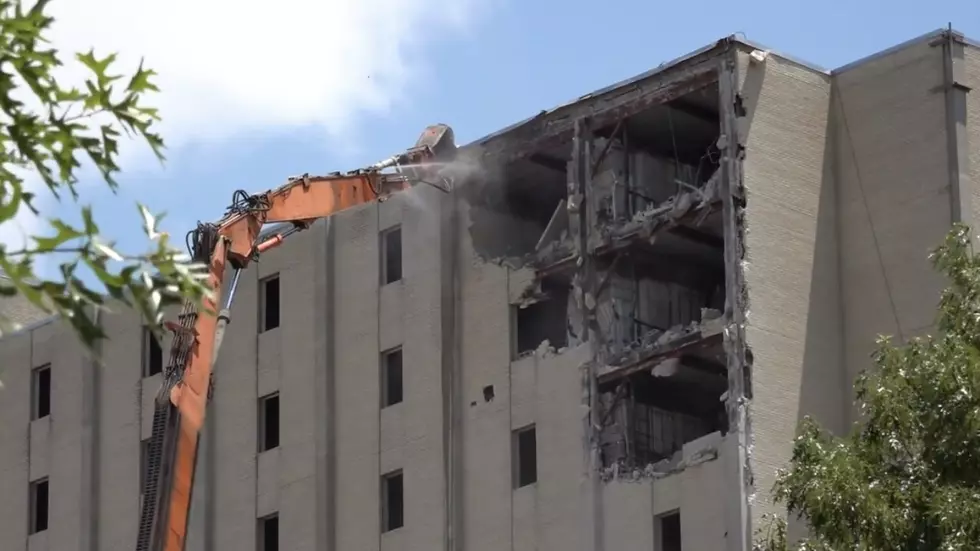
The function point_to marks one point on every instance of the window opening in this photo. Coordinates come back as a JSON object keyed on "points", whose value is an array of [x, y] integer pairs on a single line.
{"points": [[391, 259], [526, 464], [391, 378], [152, 353], [41, 395], [392, 500], [269, 533], [39, 506], [269, 422], [269, 302], [545, 320], [668, 528]]}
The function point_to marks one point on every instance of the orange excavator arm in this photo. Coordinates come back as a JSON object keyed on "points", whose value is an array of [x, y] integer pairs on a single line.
{"points": [[235, 241]]}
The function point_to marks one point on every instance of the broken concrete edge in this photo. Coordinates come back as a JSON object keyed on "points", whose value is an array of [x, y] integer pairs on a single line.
{"points": [[544, 350], [685, 208], [650, 350], [551, 128], [656, 82], [738, 356], [655, 347], [556, 251], [560, 252], [696, 452]]}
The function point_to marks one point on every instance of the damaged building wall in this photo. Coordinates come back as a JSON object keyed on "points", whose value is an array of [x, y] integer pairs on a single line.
{"points": [[499, 395], [633, 305], [551, 400], [654, 239], [485, 352], [510, 219], [491, 312], [655, 296], [890, 175], [628, 181], [689, 483], [543, 388], [791, 274]]}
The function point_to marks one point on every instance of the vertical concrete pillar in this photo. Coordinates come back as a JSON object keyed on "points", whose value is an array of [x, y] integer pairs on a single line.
{"points": [[89, 495], [958, 152], [737, 519], [582, 222], [449, 243], [324, 249]]}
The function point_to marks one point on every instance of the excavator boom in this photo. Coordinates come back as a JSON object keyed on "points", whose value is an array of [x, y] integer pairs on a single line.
{"points": [[235, 242]]}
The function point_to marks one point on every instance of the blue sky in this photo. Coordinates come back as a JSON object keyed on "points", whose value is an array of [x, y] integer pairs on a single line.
{"points": [[489, 67]]}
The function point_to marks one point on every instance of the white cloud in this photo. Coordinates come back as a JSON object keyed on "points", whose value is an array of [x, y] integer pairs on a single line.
{"points": [[228, 67]]}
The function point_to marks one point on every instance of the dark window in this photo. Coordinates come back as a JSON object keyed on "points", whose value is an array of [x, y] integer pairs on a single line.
{"points": [[391, 255], [269, 533], [39, 506], [526, 464], [269, 422], [391, 377], [544, 320], [152, 353], [669, 532], [41, 392], [269, 303], [392, 501]]}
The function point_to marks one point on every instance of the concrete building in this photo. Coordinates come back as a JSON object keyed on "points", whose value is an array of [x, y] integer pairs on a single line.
{"points": [[602, 340]]}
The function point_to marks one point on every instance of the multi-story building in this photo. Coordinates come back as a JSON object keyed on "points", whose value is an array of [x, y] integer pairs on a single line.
{"points": [[603, 339]]}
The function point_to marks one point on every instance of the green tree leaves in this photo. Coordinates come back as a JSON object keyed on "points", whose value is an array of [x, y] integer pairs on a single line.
{"points": [[907, 477], [48, 130]]}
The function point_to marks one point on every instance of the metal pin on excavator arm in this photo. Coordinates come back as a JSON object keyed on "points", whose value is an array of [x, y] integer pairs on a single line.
{"points": [[235, 241]]}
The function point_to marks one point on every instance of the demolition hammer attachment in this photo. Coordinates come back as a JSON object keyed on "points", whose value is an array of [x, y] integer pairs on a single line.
{"points": [[435, 149]]}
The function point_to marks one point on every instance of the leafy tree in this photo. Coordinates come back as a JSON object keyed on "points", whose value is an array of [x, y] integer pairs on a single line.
{"points": [[908, 476], [47, 130]]}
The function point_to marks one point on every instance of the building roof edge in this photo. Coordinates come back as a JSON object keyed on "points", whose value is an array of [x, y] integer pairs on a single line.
{"points": [[931, 35], [737, 38], [793, 59], [663, 67]]}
